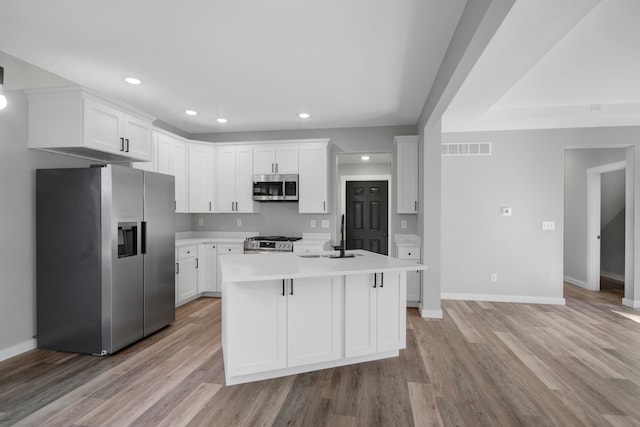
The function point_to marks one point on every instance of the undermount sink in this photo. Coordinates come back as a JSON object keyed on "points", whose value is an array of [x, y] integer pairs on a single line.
{"points": [[329, 256]]}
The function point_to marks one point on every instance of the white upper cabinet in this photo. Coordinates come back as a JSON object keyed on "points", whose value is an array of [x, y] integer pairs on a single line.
{"points": [[407, 174], [234, 180], [275, 159], [171, 159], [201, 160], [313, 176], [82, 123]]}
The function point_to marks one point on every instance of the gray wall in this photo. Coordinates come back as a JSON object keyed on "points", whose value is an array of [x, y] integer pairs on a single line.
{"points": [[283, 218], [526, 173], [17, 224], [576, 163]]}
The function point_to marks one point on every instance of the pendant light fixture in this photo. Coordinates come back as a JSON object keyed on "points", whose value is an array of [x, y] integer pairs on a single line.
{"points": [[3, 99]]}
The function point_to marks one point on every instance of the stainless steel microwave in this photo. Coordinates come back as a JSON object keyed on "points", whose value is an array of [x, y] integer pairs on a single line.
{"points": [[267, 188]]}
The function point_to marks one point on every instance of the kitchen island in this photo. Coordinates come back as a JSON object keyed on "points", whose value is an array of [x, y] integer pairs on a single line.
{"points": [[286, 313]]}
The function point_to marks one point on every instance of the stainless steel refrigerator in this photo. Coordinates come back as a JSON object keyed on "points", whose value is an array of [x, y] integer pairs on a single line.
{"points": [[105, 257]]}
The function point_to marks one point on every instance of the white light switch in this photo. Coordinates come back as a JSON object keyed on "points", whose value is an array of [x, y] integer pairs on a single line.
{"points": [[403, 224], [200, 222], [312, 224], [548, 225], [325, 223], [239, 222]]}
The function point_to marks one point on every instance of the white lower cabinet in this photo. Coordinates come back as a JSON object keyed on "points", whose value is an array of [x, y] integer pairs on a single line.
{"points": [[374, 321], [225, 249], [186, 274], [208, 271], [276, 324], [413, 277], [314, 320]]}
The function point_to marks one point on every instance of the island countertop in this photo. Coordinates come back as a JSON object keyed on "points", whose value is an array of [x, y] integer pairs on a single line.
{"points": [[255, 267]]}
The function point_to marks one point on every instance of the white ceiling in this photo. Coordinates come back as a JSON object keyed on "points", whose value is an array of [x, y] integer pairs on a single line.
{"points": [[256, 63], [555, 64]]}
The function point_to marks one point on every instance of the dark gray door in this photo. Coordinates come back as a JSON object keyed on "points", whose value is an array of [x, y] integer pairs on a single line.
{"points": [[158, 245], [367, 216]]}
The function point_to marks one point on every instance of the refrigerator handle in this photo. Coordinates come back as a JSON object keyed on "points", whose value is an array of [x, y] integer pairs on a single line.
{"points": [[143, 232]]}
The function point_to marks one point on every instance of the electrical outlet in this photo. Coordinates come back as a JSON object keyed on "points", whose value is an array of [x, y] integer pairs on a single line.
{"points": [[403, 224], [312, 223], [200, 222], [325, 223], [505, 211], [239, 222], [494, 277]]}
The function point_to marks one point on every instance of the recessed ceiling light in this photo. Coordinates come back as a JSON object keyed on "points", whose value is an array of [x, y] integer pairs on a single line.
{"points": [[221, 120], [304, 115], [132, 80], [365, 157], [190, 113]]}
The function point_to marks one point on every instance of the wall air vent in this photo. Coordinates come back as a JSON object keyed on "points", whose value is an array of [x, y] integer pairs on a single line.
{"points": [[466, 149]]}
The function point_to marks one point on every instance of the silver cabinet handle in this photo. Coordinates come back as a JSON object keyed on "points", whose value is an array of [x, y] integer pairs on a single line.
{"points": [[177, 268], [382, 280], [276, 168], [375, 280], [196, 262], [126, 144], [209, 206], [415, 204], [324, 206], [272, 169], [291, 286], [232, 205], [121, 144]]}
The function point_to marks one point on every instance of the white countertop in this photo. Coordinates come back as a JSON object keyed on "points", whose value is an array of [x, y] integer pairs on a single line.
{"points": [[255, 267], [195, 238]]}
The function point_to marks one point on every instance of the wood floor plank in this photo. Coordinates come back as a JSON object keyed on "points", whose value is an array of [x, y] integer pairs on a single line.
{"points": [[186, 410], [423, 405]]}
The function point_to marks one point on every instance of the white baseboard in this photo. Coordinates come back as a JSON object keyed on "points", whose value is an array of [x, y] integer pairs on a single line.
{"points": [[17, 349], [630, 303], [504, 298], [430, 314], [613, 276], [577, 282]]}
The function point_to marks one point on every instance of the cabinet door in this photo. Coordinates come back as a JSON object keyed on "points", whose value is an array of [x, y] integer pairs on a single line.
{"points": [[179, 171], [102, 127], [210, 267], [264, 159], [226, 249], [360, 315], [244, 180], [137, 136], [163, 153], [314, 320], [407, 170], [201, 167], [225, 192], [413, 285], [287, 158], [391, 311], [312, 180], [256, 314], [187, 279]]}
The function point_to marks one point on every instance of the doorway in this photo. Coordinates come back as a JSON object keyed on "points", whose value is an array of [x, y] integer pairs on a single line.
{"points": [[606, 201], [352, 167], [367, 221]]}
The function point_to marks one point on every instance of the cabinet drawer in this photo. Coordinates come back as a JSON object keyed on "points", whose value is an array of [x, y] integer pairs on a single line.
{"points": [[409, 253], [224, 249], [187, 252]]}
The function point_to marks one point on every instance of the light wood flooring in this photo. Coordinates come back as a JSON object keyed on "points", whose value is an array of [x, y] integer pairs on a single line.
{"points": [[488, 364]]}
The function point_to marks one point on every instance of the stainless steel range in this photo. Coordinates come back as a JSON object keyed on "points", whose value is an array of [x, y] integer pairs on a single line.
{"points": [[260, 244]]}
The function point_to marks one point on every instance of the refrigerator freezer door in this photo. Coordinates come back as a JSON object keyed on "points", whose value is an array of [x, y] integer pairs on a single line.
{"points": [[127, 287], [159, 247]]}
